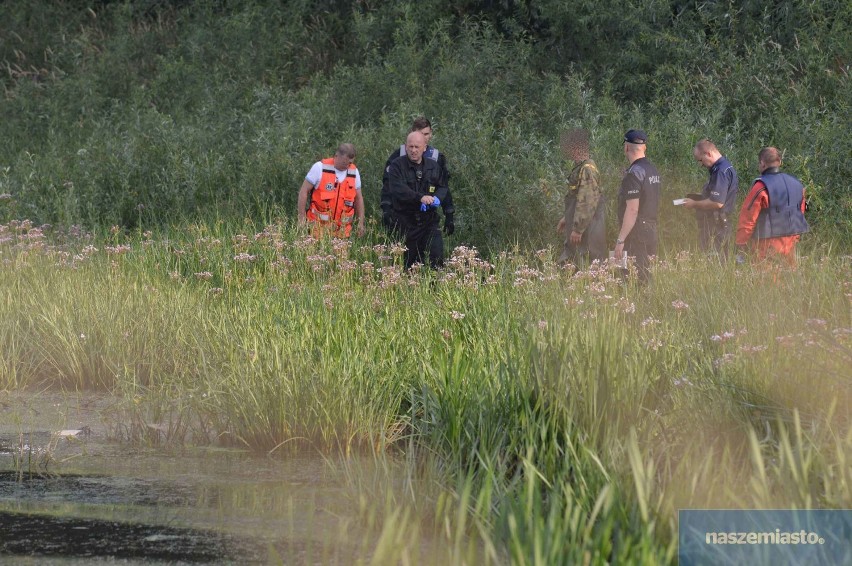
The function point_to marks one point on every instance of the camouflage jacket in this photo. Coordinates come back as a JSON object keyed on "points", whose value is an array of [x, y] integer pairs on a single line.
{"points": [[584, 184]]}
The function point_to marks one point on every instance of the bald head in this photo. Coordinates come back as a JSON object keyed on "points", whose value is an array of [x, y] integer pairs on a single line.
{"points": [[415, 145]]}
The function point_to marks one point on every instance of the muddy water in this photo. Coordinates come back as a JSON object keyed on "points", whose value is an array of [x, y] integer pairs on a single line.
{"points": [[81, 497]]}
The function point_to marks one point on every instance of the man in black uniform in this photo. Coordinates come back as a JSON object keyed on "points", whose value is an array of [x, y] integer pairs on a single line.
{"points": [[424, 126], [417, 187], [638, 203]]}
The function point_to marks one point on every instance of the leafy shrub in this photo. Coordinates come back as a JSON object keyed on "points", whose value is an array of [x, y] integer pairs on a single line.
{"points": [[143, 112]]}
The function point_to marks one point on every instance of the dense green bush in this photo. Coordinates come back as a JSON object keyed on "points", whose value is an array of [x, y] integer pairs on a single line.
{"points": [[148, 111]]}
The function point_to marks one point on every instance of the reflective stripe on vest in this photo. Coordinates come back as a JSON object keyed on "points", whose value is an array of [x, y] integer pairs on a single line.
{"points": [[333, 201]]}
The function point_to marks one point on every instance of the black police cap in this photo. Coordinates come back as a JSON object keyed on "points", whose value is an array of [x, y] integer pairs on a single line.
{"points": [[635, 136]]}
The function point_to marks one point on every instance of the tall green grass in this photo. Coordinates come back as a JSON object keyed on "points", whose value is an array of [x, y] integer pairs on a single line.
{"points": [[545, 416]]}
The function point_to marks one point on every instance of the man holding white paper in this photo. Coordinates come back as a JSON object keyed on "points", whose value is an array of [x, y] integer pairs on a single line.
{"points": [[717, 201]]}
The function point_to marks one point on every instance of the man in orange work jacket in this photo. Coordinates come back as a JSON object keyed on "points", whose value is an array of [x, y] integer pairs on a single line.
{"points": [[334, 186], [773, 214]]}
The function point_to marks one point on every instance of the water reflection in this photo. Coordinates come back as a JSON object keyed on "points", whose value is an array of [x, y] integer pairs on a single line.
{"points": [[87, 497]]}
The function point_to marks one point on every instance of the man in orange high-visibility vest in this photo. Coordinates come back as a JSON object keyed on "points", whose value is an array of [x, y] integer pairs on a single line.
{"points": [[334, 186]]}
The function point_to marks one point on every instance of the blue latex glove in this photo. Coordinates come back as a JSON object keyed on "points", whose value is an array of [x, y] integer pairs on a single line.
{"points": [[435, 204]]}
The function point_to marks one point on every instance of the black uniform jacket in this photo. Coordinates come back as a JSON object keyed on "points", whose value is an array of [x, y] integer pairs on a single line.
{"points": [[409, 182], [430, 153]]}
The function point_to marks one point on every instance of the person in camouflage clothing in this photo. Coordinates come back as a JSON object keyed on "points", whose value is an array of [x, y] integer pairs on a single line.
{"points": [[583, 222]]}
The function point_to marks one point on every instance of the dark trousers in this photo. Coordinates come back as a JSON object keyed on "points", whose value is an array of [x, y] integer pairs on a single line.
{"points": [[422, 241], [391, 224], [714, 233], [593, 242], [641, 243]]}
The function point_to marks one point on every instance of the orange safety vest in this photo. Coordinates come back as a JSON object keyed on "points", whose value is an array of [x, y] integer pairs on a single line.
{"points": [[332, 206]]}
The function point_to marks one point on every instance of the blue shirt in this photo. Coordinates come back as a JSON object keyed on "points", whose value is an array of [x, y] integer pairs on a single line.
{"points": [[723, 185]]}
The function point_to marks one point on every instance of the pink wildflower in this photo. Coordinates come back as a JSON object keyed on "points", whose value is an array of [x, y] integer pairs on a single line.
{"points": [[117, 250], [724, 337]]}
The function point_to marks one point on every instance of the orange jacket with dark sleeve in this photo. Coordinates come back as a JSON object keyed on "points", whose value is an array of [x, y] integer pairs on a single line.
{"points": [[763, 248]]}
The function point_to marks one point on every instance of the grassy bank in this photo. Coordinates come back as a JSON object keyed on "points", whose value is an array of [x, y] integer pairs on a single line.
{"points": [[564, 416]]}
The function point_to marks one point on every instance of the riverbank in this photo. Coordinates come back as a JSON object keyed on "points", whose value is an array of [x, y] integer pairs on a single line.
{"points": [[536, 411]]}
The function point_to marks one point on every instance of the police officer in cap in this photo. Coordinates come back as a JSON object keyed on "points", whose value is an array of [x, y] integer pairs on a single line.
{"points": [[417, 187], [638, 205]]}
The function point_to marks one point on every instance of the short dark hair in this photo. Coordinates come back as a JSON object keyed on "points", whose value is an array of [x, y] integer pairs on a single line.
{"points": [[346, 149], [705, 145], [419, 123], [770, 156]]}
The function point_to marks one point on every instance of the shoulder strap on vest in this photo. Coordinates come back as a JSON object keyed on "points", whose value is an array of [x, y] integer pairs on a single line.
{"points": [[757, 194], [432, 153]]}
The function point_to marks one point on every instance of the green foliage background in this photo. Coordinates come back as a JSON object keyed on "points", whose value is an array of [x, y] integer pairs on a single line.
{"points": [[141, 113]]}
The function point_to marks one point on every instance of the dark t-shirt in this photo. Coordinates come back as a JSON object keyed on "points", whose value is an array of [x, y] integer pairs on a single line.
{"points": [[641, 181], [723, 185]]}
